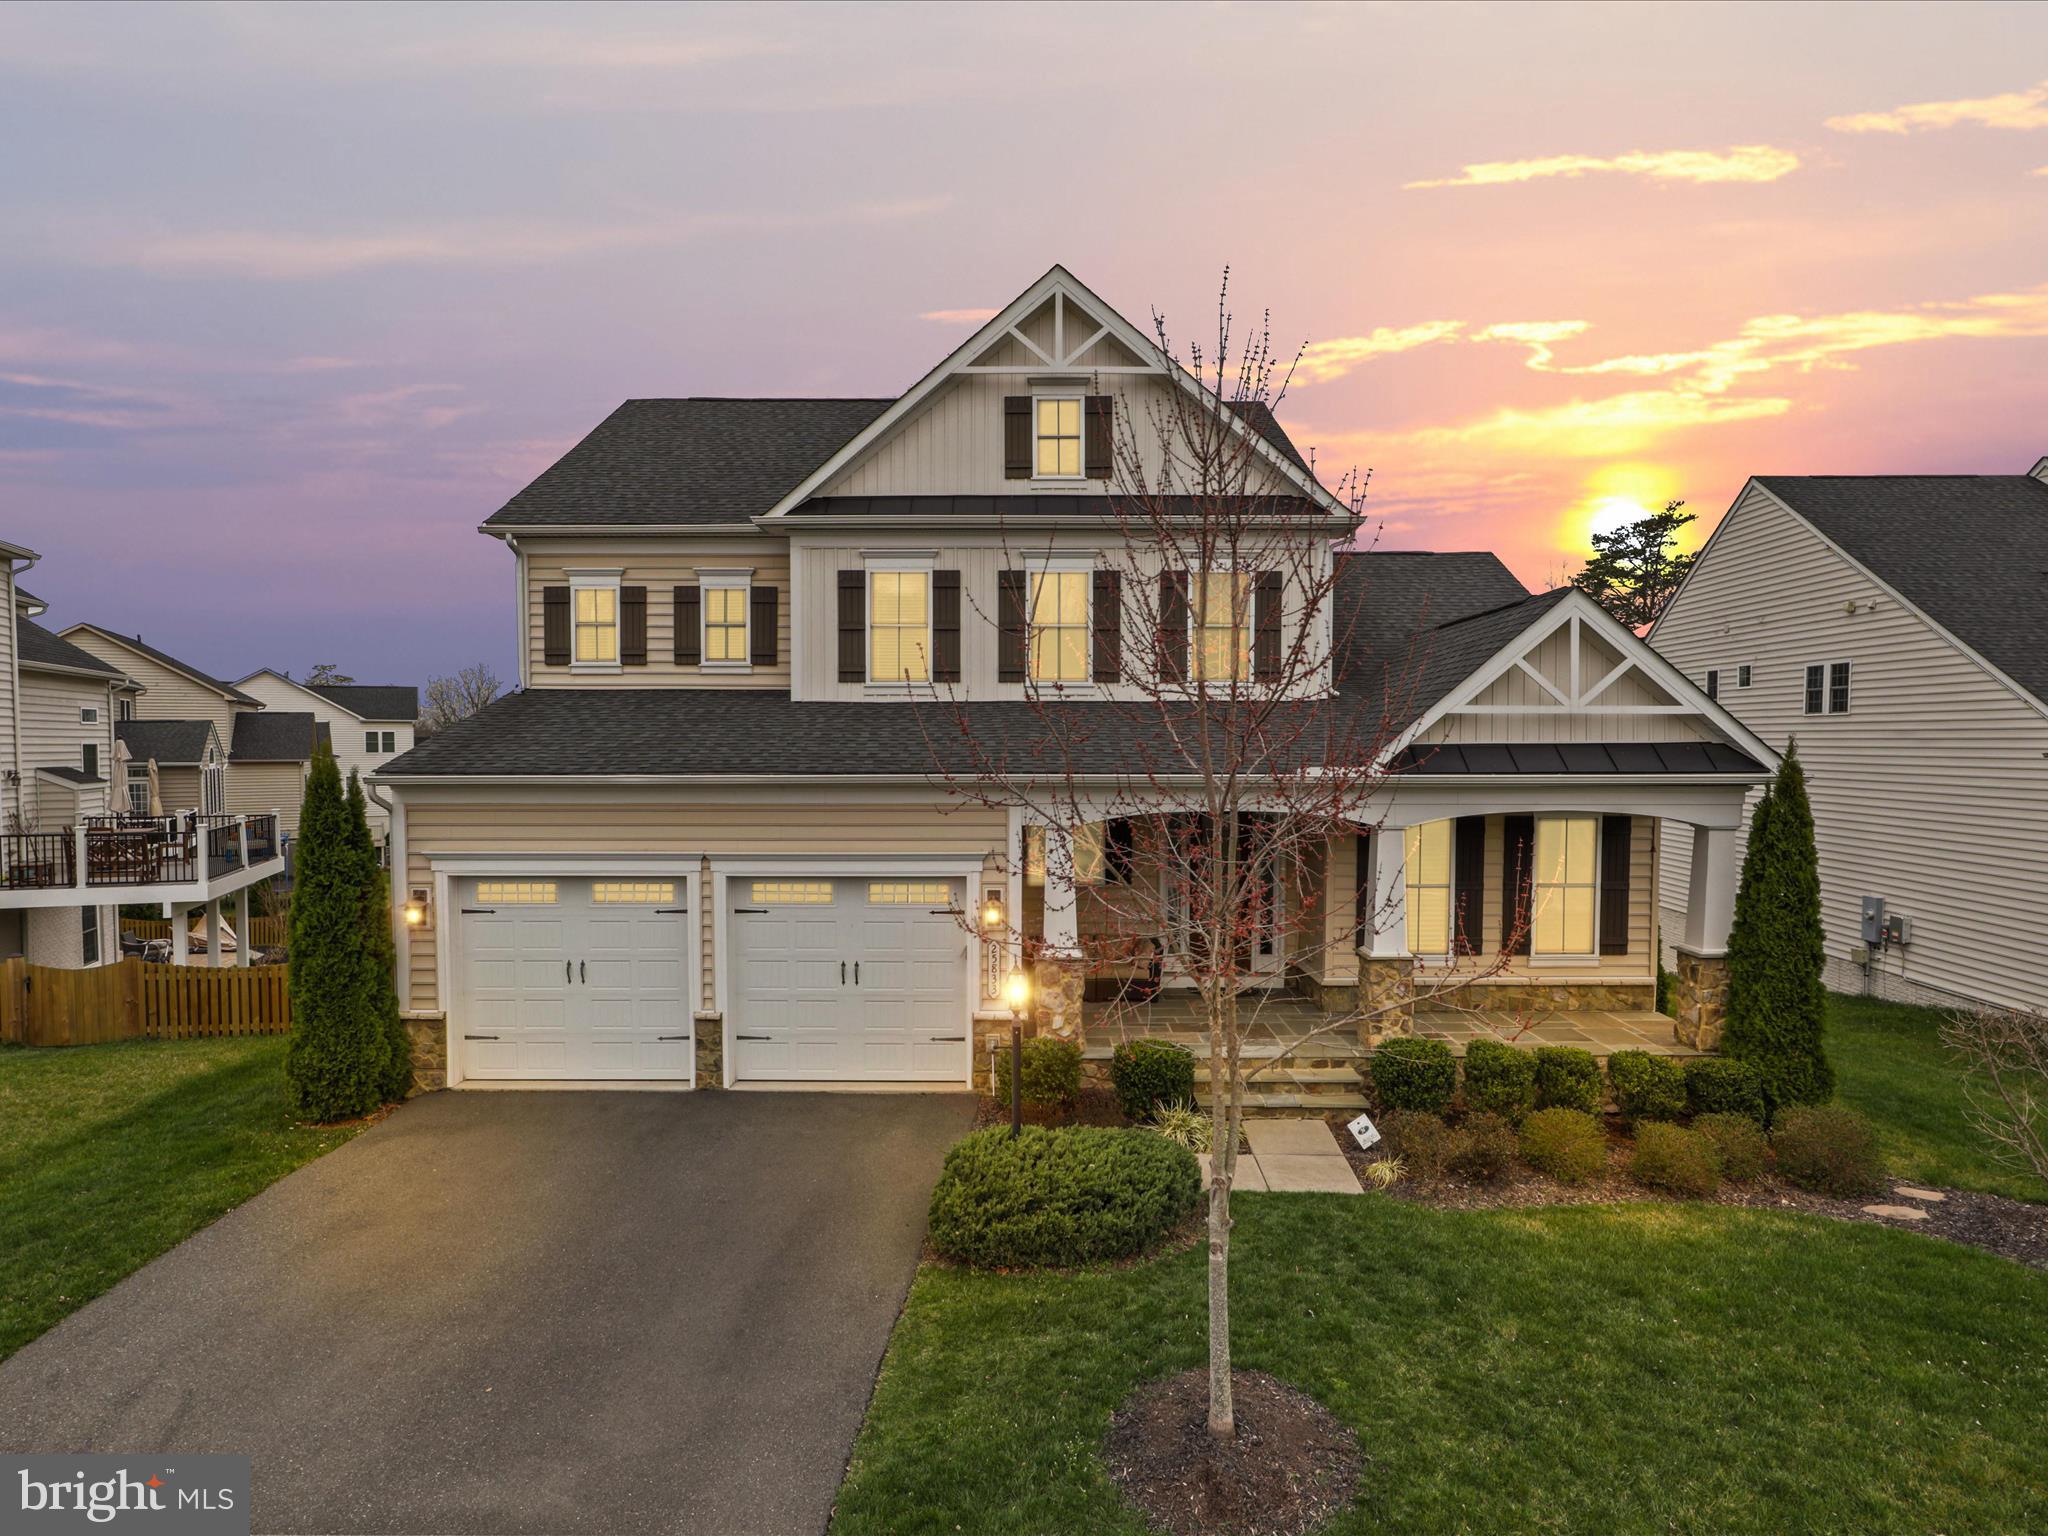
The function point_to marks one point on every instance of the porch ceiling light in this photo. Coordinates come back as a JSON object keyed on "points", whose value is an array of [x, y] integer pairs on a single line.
{"points": [[1017, 991]]}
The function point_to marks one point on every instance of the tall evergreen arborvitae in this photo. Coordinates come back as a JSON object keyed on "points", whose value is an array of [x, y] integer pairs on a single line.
{"points": [[340, 1055], [1777, 1001], [380, 951]]}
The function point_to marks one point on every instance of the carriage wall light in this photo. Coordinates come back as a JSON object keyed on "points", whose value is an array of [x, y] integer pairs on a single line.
{"points": [[416, 908], [992, 908]]}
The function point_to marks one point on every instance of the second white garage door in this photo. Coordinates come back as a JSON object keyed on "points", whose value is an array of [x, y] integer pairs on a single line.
{"points": [[848, 981]]}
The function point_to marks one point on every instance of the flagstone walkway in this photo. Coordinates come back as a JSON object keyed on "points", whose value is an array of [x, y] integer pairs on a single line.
{"points": [[1292, 1157]]}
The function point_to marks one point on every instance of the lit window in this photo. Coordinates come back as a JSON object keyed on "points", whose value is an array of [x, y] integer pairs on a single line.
{"points": [[1222, 619], [792, 893], [899, 626], [1059, 626], [632, 893], [516, 893], [597, 624], [1838, 688], [909, 893], [1428, 870], [1088, 853], [725, 624], [1567, 850], [1059, 436], [1034, 856]]}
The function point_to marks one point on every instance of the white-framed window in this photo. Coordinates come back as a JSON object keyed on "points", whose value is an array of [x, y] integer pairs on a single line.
{"points": [[89, 715], [380, 741], [1061, 597], [213, 785], [89, 934], [909, 893], [89, 759], [138, 791], [1827, 688], [792, 893], [899, 624], [1427, 867], [124, 709], [633, 893], [1564, 885], [516, 893], [594, 619], [1056, 437], [725, 596], [1220, 625], [1742, 675]]}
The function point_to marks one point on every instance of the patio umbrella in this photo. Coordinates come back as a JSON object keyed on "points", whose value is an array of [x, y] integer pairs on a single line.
{"points": [[156, 791], [196, 934]]}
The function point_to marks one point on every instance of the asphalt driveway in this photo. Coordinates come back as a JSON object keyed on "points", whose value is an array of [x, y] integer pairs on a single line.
{"points": [[525, 1312]]}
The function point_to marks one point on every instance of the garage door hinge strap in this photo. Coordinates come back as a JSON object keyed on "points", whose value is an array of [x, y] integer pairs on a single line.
{"points": [[949, 1037], [671, 1037], [479, 911], [666, 911], [479, 1037], [753, 1037], [757, 911]]}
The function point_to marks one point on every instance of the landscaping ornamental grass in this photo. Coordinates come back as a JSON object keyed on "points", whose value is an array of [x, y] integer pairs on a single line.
{"points": [[111, 1154], [1595, 1368]]}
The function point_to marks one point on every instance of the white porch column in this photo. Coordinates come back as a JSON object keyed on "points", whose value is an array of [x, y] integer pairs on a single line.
{"points": [[1710, 902], [213, 933], [181, 946], [1062, 909], [245, 926], [1389, 895]]}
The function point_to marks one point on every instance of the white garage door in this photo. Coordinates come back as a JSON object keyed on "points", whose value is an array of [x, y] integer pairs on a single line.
{"points": [[848, 981], [574, 979]]}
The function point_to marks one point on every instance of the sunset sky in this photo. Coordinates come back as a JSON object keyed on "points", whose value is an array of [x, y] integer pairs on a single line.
{"points": [[292, 298]]}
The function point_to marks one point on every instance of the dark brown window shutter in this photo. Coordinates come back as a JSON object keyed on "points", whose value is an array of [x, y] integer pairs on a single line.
{"points": [[1616, 834], [764, 644], [1173, 626], [853, 626], [1120, 849], [945, 626], [1011, 636], [1517, 872], [1266, 608], [1016, 437], [554, 626], [1106, 617], [689, 626], [633, 626], [1098, 435], [1468, 885], [1361, 893]]}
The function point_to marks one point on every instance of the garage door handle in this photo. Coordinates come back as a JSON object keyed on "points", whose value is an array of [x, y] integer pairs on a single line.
{"points": [[856, 973], [568, 970], [479, 1037], [582, 971], [842, 973]]}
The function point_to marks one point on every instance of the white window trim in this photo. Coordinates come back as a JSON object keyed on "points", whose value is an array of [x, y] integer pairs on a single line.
{"points": [[871, 564], [1251, 627], [595, 579], [89, 714], [1047, 565], [138, 779], [734, 580], [1827, 689], [1745, 674], [1547, 956], [1079, 394], [213, 784]]}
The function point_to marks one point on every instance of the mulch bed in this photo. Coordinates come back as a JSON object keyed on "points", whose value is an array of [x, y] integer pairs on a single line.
{"points": [[2012, 1229], [1292, 1465], [1096, 1106]]}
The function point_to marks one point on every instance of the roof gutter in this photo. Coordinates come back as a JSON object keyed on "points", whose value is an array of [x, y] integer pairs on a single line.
{"points": [[13, 553]]}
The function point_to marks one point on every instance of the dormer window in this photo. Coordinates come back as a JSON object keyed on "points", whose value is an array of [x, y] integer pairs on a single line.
{"points": [[1058, 454], [597, 624]]}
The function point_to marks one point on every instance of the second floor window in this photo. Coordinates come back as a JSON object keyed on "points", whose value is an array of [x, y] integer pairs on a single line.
{"points": [[899, 626], [1222, 619], [380, 741], [725, 624], [125, 710], [1059, 626], [1827, 689], [213, 788], [1059, 437], [597, 624]]}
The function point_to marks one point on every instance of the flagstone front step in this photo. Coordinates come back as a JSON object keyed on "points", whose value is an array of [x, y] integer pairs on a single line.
{"points": [[1289, 1101]]}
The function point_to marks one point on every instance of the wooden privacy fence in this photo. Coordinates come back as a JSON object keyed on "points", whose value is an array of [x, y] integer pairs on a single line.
{"points": [[134, 999], [268, 931]]}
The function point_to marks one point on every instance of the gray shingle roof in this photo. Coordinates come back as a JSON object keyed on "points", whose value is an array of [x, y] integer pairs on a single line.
{"points": [[38, 646], [164, 658], [1970, 551], [168, 741], [71, 775], [372, 701], [273, 736]]}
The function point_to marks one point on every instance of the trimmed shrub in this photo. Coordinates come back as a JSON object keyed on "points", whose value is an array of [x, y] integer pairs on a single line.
{"points": [[1646, 1087], [1052, 1072], [1719, 1085], [1419, 1141], [1483, 1147], [1149, 1073], [1828, 1149], [1499, 1079], [1567, 1144], [1414, 1074], [382, 981], [1568, 1078], [1676, 1161], [1739, 1140], [1060, 1196], [1776, 1002]]}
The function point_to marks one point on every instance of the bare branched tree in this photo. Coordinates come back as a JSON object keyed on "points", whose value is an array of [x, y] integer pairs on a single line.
{"points": [[327, 673], [2005, 1055], [450, 699], [1187, 762]]}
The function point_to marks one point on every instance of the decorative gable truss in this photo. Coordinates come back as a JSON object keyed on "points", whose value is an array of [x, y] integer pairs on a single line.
{"points": [[1577, 675]]}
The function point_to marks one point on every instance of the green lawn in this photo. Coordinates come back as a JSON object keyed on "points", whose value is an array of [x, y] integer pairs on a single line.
{"points": [[1598, 1368], [110, 1154], [1890, 1063]]}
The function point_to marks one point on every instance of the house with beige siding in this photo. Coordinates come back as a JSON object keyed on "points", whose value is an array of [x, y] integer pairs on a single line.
{"points": [[709, 840], [1896, 628], [72, 852], [367, 723]]}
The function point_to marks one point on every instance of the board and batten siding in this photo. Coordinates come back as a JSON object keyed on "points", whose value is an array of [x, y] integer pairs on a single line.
{"points": [[1932, 792], [1547, 721], [659, 565], [805, 818]]}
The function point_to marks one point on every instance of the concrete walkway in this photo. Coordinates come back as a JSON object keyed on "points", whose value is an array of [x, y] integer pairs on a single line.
{"points": [[1292, 1157]]}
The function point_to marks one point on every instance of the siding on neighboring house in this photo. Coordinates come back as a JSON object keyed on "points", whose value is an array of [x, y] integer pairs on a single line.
{"points": [[253, 788], [56, 936], [168, 695], [345, 729], [805, 819], [1932, 792], [660, 566], [52, 735], [9, 682]]}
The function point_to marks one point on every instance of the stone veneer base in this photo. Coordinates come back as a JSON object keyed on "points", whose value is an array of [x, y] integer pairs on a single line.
{"points": [[1699, 999]]}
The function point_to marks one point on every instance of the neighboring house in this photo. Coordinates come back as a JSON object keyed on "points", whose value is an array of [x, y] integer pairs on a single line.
{"points": [[370, 723], [255, 759], [1896, 626], [704, 842], [68, 857]]}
